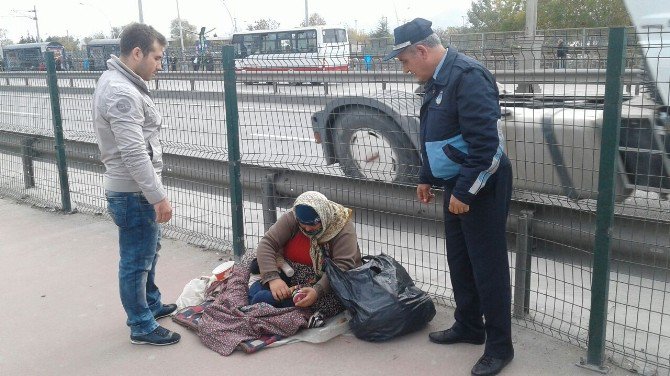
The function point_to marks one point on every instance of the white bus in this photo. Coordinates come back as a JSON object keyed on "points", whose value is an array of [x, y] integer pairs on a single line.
{"points": [[314, 48]]}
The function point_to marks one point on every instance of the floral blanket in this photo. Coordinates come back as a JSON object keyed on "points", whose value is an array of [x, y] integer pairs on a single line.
{"points": [[229, 322]]}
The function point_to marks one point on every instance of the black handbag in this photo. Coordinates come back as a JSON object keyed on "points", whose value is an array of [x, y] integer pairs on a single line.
{"points": [[382, 298]]}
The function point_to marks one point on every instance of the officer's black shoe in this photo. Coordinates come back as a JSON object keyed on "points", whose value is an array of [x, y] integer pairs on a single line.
{"points": [[449, 336], [488, 365]]}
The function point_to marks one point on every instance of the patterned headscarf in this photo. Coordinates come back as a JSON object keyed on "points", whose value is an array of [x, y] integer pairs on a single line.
{"points": [[333, 218]]}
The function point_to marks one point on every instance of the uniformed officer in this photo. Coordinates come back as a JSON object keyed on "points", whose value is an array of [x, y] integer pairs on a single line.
{"points": [[462, 151]]}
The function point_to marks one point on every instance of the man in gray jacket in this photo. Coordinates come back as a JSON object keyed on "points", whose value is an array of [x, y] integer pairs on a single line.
{"points": [[127, 125]]}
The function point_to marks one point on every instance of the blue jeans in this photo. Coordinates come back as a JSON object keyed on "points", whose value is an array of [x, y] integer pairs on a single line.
{"points": [[139, 242], [259, 293]]}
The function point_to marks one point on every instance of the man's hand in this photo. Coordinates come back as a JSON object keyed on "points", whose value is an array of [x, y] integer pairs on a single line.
{"points": [[457, 207], [309, 299], [424, 193], [280, 290], [163, 211]]}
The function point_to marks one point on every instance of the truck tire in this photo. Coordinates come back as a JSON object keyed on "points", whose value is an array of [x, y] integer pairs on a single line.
{"points": [[369, 145]]}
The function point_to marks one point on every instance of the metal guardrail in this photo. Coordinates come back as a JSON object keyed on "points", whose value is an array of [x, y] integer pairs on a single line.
{"points": [[634, 236], [524, 78]]}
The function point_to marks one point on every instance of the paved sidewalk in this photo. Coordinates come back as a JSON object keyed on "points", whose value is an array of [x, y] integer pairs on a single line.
{"points": [[62, 316]]}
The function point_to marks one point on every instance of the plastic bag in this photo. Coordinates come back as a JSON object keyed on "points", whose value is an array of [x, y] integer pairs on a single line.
{"points": [[381, 297], [193, 293]]}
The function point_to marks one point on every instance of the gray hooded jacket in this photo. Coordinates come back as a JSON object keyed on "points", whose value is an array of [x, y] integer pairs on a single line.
{"points": [[127, 125]]}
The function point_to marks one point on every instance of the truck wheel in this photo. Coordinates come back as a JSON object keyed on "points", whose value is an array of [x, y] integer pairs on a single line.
{"points": [[370, 145]]}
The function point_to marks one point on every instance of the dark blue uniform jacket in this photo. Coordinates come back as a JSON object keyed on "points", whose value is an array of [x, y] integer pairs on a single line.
{"points": [[461, 137]]}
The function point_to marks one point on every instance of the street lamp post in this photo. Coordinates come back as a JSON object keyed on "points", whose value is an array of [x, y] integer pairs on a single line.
{"points": [[139, 6], [37, 25], [34, 17], [233, 20], [306, 14], [181, 38]]}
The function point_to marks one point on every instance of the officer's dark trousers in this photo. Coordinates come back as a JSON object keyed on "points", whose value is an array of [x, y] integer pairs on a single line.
{"points": [[479, 269]]}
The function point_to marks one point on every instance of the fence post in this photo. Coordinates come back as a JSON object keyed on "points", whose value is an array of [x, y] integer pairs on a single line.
{"points": [[269, 201], [27, 154], [522, 270], [233, 133], [52, 80], [609, 147]]}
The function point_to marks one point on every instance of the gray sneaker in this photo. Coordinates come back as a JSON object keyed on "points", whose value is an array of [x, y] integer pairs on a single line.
{"points": [[159, 337]]}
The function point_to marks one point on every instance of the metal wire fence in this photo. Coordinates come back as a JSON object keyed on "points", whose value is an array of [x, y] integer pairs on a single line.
{"points": [[366, 120]]}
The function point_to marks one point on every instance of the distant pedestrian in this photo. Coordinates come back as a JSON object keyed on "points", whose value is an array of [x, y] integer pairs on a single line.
{"points": [[561, 53], [462, 152], [209, 61], [59, 62], [127, 126]]}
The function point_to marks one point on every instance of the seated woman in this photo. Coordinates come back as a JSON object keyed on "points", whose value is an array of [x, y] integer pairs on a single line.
{"points": [[314, 229]]}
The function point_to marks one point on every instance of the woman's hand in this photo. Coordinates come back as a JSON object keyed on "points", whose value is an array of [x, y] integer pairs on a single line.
{"points": [[309, 299], [280, 290]]}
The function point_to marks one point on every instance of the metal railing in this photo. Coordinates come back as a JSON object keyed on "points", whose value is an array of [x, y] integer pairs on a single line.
{"points": [[165, 81]]}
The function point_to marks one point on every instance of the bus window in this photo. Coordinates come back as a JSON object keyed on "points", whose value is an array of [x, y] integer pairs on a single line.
{"points": [[285, 41], [241, 50], [269, 43], [306, 41], [99, 50], [334, 36]]}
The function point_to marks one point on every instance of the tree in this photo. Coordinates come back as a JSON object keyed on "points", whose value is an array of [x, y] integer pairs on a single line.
{"points": [[190, 32], [28, 39], [314, 20], [98, 35], [445, 34], [357, 36], [497, 15], [115, 32], [69, 42], [563, 14], [510, 15], [358, 39], [264, 24], [382, 30]]}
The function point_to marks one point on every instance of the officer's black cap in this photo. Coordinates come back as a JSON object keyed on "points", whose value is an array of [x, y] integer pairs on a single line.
{"points": [[406, 35]]}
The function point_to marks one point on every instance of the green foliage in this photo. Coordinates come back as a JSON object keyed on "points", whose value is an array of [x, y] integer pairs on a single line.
{"points": [[69, 42], [445, 33], [357, 36], [263, 24], [563, 14], [116, 31], [28, 39], [382, 30], [189, 31], [98, 35], [315, 19], [497, 15], [510, 15]]}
